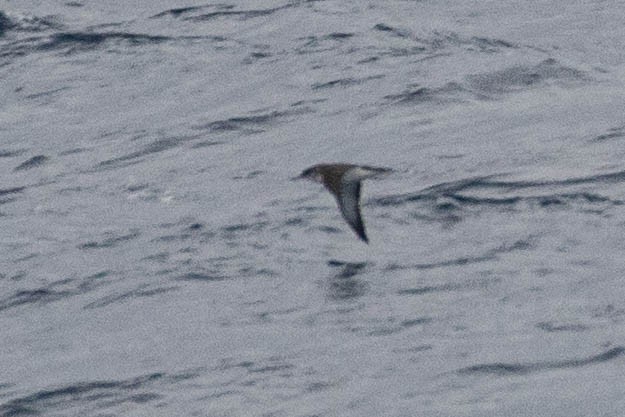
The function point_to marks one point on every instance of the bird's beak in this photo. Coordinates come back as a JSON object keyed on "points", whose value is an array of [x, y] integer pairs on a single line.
{"points": [[299, 177]]}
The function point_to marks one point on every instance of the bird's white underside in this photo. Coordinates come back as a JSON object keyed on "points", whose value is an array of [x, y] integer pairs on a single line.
{"points": [[359, 174]]}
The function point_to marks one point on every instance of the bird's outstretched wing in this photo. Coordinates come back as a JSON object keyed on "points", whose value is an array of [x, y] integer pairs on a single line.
{"points": [[349, 204]]}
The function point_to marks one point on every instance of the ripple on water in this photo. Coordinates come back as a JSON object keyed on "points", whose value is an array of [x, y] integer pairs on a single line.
{"points": [[133, 294], [111, 240], [94, 395], [8, 195], [523, 77], [33, 162], [501, 368], [460, 194]]}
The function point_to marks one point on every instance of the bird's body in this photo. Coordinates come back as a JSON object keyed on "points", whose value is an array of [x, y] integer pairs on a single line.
{"points": [[343, 181]]}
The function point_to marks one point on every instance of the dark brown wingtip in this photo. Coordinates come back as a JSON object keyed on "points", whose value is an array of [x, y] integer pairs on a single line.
{"points": [[361, 234]]}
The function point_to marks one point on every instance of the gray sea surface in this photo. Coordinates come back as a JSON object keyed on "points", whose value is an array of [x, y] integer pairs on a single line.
{"points": [[157, 259]]}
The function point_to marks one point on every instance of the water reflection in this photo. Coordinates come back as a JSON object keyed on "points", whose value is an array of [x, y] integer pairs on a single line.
{"points": [[344, 284]]}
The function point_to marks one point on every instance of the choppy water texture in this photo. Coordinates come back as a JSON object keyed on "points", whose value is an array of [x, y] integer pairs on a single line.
{"points": [[157, 258]]}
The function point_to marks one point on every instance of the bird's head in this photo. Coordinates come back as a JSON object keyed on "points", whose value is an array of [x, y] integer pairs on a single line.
{"points": [[312, 174]]}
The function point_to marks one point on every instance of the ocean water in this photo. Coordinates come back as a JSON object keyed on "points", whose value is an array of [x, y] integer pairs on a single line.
{"points": [[157, 259]]}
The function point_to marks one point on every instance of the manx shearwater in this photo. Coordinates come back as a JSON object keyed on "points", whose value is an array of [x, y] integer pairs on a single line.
{"points": [[343, 181]]}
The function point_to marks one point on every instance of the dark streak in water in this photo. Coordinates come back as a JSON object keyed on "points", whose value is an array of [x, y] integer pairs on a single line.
{"points": [[202, 276], [347, 289], [14, 190], [33, 162], [46, 93], [71, 42], [196, 226], [368, 60], [389, 29], [394, 328], [109, 242], [339, 35], [249, 124], [415, 322], [255, 56], [26, 24], [132, 294], [304, 102], [91, 40], [41, 295], [456, 191], [5, 23], [206, 144], [613, 133], [179, 11], [491, 45], [89, 395], [329, 229], [451, 262], [8, 195], [420, 94], [438, 43], [344, 82], [490, 255], [93, 281], [348, 269], [240, 14], [159, 145], [343, 285], [8, 154], [550, 327], [428, 289], [315, 44], [271, 368], [50, 293], [235, 229], [522, 77], [450, 92], [525, 368]]}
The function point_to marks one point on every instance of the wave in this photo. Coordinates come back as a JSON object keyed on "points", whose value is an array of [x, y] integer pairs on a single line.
{"points": [[458, 192], [253, 123], [73, 42], [25, 23], [344, 82], [54, 291], [438, 41], [450, 92], [489, 255], [611, 134], [36, 296], [197, 13], [522, 77], [12, 190], [8, 195], [486, 86], [33, 162], [90, 40], [112, 240], [501, 368], [320, 43], [90, 395], [142, 291], [159, 145]]}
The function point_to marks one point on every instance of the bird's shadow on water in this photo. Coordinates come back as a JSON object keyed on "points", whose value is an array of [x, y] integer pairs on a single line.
{"points": [[344, 284]]}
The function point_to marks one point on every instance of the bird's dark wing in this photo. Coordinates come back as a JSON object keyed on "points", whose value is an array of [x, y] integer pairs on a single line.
{"points": [[349, 203]]}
